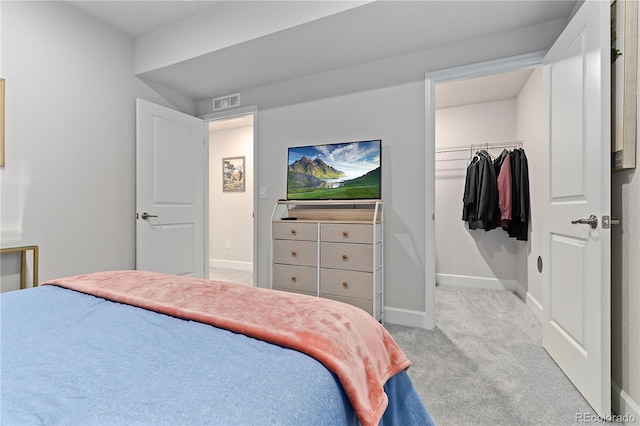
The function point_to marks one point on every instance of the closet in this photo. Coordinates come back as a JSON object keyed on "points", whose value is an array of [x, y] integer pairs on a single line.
{"points": [[484, 119]]}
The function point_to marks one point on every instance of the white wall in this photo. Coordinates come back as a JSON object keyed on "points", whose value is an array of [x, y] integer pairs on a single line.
{"points": [[395, 115], [230, 213], [69, 181], [490, 258], [530, 128]]}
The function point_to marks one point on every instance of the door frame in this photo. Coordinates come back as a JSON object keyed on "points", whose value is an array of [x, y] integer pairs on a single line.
{"points": [[224, 115], [499, 66]]}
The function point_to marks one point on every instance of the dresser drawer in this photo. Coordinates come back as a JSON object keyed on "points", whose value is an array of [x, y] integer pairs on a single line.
{"points": [[353, 257], [289, 252], [306, 293], [363, 304], [296, 278], [346, 233], [292, 230], [346, 283]]}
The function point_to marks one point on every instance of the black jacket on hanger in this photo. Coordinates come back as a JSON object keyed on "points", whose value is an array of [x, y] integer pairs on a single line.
{"points": [[480, 198], [519, 224], [469, 199]]}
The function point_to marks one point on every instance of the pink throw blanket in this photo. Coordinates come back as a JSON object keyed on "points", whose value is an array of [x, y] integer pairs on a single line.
{"points": [[347, 340]]}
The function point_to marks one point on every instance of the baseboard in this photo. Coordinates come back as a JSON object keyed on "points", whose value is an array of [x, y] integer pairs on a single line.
{"points": [[626, 408], [535, 307], [406, 317], [478, 282], [231, 264]]}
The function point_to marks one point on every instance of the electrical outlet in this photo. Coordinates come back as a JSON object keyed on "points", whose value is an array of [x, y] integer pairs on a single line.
{"points": [[227, 244]]}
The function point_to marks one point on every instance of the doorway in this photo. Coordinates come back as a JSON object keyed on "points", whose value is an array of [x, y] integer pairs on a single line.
{"points": [[231, 235], [431, 81], [492, 113], [577, 319], [483, 287]]}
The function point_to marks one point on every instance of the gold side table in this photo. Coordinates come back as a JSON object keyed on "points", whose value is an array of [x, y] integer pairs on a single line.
{"points": [[23, 262]]}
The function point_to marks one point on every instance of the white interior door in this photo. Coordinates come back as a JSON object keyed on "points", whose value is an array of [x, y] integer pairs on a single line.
{"points": [[577, 255], [170, 191]]}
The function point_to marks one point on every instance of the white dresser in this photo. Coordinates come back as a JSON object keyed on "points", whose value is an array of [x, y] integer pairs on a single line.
{"points": [[334, 249]]}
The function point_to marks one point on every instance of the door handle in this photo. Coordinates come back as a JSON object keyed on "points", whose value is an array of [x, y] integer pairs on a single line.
{"points": [[592, 221], [146, 215]]}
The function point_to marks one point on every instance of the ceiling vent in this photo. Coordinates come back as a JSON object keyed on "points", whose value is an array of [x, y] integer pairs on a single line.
{"points": [[227, 101]]}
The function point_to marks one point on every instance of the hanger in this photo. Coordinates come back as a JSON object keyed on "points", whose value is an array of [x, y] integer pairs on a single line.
{"points": [[471, 156]]}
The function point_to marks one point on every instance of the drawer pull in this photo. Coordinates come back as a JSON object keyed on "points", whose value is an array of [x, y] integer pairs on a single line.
{"points": [[293, 232], [345, 234], [345, 257], [345, 284], [293, 278], [294, 253]]}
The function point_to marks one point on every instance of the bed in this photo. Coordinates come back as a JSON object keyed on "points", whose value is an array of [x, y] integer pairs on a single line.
{"points": [[133, 347]]}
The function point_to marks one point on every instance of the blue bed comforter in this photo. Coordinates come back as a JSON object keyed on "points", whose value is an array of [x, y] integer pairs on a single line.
{"points": [[71, 358]]}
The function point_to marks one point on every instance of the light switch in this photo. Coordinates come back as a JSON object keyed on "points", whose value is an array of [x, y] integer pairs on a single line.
{"points": [[263, 192]]}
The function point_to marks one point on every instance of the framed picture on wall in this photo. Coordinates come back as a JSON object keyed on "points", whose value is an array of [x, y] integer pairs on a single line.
{"points": [[233, 174], [624, 82]]}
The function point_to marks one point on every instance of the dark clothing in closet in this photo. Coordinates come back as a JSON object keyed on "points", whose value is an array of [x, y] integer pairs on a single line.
{"points": [[469, 206], [519, 225], [503, 164], [482, 199]]}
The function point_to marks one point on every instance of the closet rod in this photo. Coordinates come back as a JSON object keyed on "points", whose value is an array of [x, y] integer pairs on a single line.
{"points": [[474, 147]]}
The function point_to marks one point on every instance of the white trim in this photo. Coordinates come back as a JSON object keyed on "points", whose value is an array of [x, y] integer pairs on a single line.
{"points": [[624, 406], [231, 264], [482, 69], [535, 307], [230, 113], [406, 317], [477, 282], [430, 200], [498, 66]]}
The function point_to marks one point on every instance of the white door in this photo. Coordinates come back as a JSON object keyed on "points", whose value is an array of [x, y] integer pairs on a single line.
{"points": [[170, 191], [577, 255]]}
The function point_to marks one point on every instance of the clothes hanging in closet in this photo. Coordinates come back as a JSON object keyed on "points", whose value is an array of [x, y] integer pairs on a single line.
{"points": [[496, 193]]}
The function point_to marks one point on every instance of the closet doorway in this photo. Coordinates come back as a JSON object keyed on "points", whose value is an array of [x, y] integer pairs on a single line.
{"points": [[577, 311], [461, 75], [231, 198], [490, 113]]}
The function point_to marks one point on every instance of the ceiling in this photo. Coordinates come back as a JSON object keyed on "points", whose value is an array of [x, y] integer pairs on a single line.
{"points": [[482, 89], [362, 35], [136, 18]]}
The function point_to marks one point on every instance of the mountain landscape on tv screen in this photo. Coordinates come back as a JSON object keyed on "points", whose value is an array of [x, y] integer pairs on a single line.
{"points": [[309, 179]]}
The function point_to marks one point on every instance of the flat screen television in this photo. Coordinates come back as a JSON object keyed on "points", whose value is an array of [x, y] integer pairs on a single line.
{"points": [[336, 171]]}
